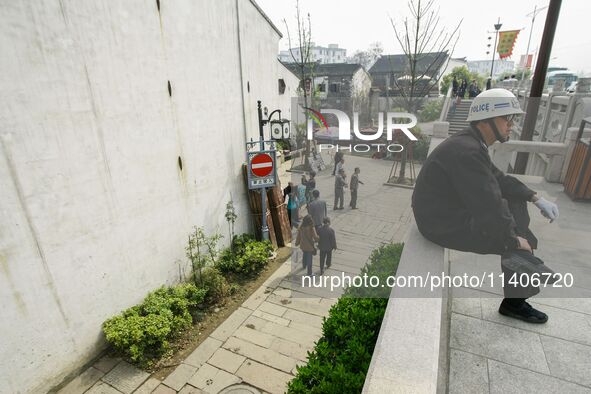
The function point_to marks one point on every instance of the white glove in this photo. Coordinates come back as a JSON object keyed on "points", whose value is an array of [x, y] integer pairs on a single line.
{"points": [[547, 208]]}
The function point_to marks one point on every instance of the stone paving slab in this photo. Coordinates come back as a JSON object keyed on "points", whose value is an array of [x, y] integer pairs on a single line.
{"points": [[506, 378], [226, 360], [264, 377], [188, 389], [468, 373], [101, 387], [125, 377], [260, 354], [567, 360], [148, 386], [497, 341], [230, 325], [203, 352], [212, 380], [107, 363], [163, 389], [82, 382], [180, 376]]}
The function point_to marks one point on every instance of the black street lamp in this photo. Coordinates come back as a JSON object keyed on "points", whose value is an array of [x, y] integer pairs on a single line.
{"points": [[279, 130], [494, 49]]}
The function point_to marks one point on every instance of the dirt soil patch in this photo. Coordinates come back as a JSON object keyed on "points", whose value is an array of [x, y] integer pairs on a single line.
{"points": [[211, 318]]}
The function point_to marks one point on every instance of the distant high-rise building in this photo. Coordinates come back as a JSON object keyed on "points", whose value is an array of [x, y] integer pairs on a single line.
{"points": [[483, 66], [318, 54]]}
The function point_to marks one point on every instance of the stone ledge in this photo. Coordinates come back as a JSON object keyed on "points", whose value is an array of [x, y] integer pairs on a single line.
{"points": [[411, 350]]}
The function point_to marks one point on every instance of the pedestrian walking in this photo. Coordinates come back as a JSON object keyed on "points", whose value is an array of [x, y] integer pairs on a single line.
{"points": [[317, 209], [290, 193], [353, 186], [474, 90], [340, 183], [310, 186], [337, 159], [341, 165], [301, 188], [326, 244], [306, 239], [454, 89]]}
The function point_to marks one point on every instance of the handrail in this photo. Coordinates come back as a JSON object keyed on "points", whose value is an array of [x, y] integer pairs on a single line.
{"points": [[446, 104]]}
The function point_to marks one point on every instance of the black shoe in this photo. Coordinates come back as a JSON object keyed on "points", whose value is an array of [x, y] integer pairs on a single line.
{"points": [[523, 311]]}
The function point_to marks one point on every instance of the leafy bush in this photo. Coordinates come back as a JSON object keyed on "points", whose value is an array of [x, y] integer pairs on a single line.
{"points": [[341, 358], [420, 148], [215, 284], [246, 256], [142, 332], [431, 111]]}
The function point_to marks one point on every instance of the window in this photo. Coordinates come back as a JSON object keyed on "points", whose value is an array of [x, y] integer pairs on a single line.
{"points": [[281, 82], [322, 87], [334, 88]]}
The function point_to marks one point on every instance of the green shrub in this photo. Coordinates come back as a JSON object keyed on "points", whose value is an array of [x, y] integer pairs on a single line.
{"points": [[142, 332], [215, 284], [420, 148], [248, 257], [341, 358], [431, 111]]}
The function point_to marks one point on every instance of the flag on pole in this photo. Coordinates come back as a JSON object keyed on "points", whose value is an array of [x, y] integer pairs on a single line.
{"points": [[506, 42]]}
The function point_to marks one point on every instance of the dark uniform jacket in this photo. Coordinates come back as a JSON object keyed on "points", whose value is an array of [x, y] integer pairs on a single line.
{"points": [[460, 197], [327, 240]]}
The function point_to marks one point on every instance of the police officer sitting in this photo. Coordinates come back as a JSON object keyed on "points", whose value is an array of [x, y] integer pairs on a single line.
{"points": [[462, 201]]}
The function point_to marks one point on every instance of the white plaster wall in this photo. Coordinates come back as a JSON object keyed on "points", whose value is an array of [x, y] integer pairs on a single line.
{"points": [[95, 211]]}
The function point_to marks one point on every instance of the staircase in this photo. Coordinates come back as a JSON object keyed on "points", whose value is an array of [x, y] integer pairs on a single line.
{"points": [[457, 121]]}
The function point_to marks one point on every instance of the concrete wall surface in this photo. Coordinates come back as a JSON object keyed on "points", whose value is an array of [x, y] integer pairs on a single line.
{"points": [[101, 103]]}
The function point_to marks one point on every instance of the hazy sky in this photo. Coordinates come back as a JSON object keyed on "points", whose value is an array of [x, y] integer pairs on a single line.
{"points": [[354, 24]]}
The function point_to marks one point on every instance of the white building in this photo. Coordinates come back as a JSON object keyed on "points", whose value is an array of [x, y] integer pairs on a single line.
{"points": [[318, 54], [121, 128], [483, 66]]}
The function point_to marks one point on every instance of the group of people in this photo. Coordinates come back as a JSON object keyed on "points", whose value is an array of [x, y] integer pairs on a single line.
{"points": [[459, 89], [314, 229]]}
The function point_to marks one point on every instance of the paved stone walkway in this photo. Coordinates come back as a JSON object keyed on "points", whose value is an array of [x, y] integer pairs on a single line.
{"points": [[491, 353], [262, 342]]}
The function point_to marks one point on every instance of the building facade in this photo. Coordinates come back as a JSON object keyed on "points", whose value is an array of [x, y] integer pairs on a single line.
{"points": [[117, 136], [318, 54], [483, 66]]}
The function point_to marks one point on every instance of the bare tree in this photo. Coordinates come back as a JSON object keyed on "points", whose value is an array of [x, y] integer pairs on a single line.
{"points": [[302, 60], [426, 46], [368, 57]]}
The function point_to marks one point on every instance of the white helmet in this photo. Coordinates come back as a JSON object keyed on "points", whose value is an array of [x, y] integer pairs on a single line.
{"points": [[492, 103]]}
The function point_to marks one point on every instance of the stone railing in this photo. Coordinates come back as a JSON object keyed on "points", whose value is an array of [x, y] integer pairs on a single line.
{"points": [[547, 159], [446, 104]]}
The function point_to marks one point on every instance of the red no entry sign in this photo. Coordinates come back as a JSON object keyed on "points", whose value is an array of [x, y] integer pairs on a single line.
{"points": [[262, 165]]}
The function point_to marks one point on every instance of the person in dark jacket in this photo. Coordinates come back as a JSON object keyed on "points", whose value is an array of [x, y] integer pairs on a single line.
{"points": [[326, 244], [338, 156], [317, 209], [462, 201], [340, 182], [353, 186]]}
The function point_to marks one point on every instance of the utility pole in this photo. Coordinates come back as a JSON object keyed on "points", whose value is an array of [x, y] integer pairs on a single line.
{"points": [[537, 86], [533, 19], [494, 50]]}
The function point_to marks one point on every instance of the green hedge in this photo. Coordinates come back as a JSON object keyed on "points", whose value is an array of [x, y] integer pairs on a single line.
{"points": [[339, 362], [246, 257], [142, 332]]}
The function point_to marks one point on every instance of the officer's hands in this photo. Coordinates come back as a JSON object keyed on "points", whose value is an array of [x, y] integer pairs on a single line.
{"points": [[547, 208], [524, 244]]}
